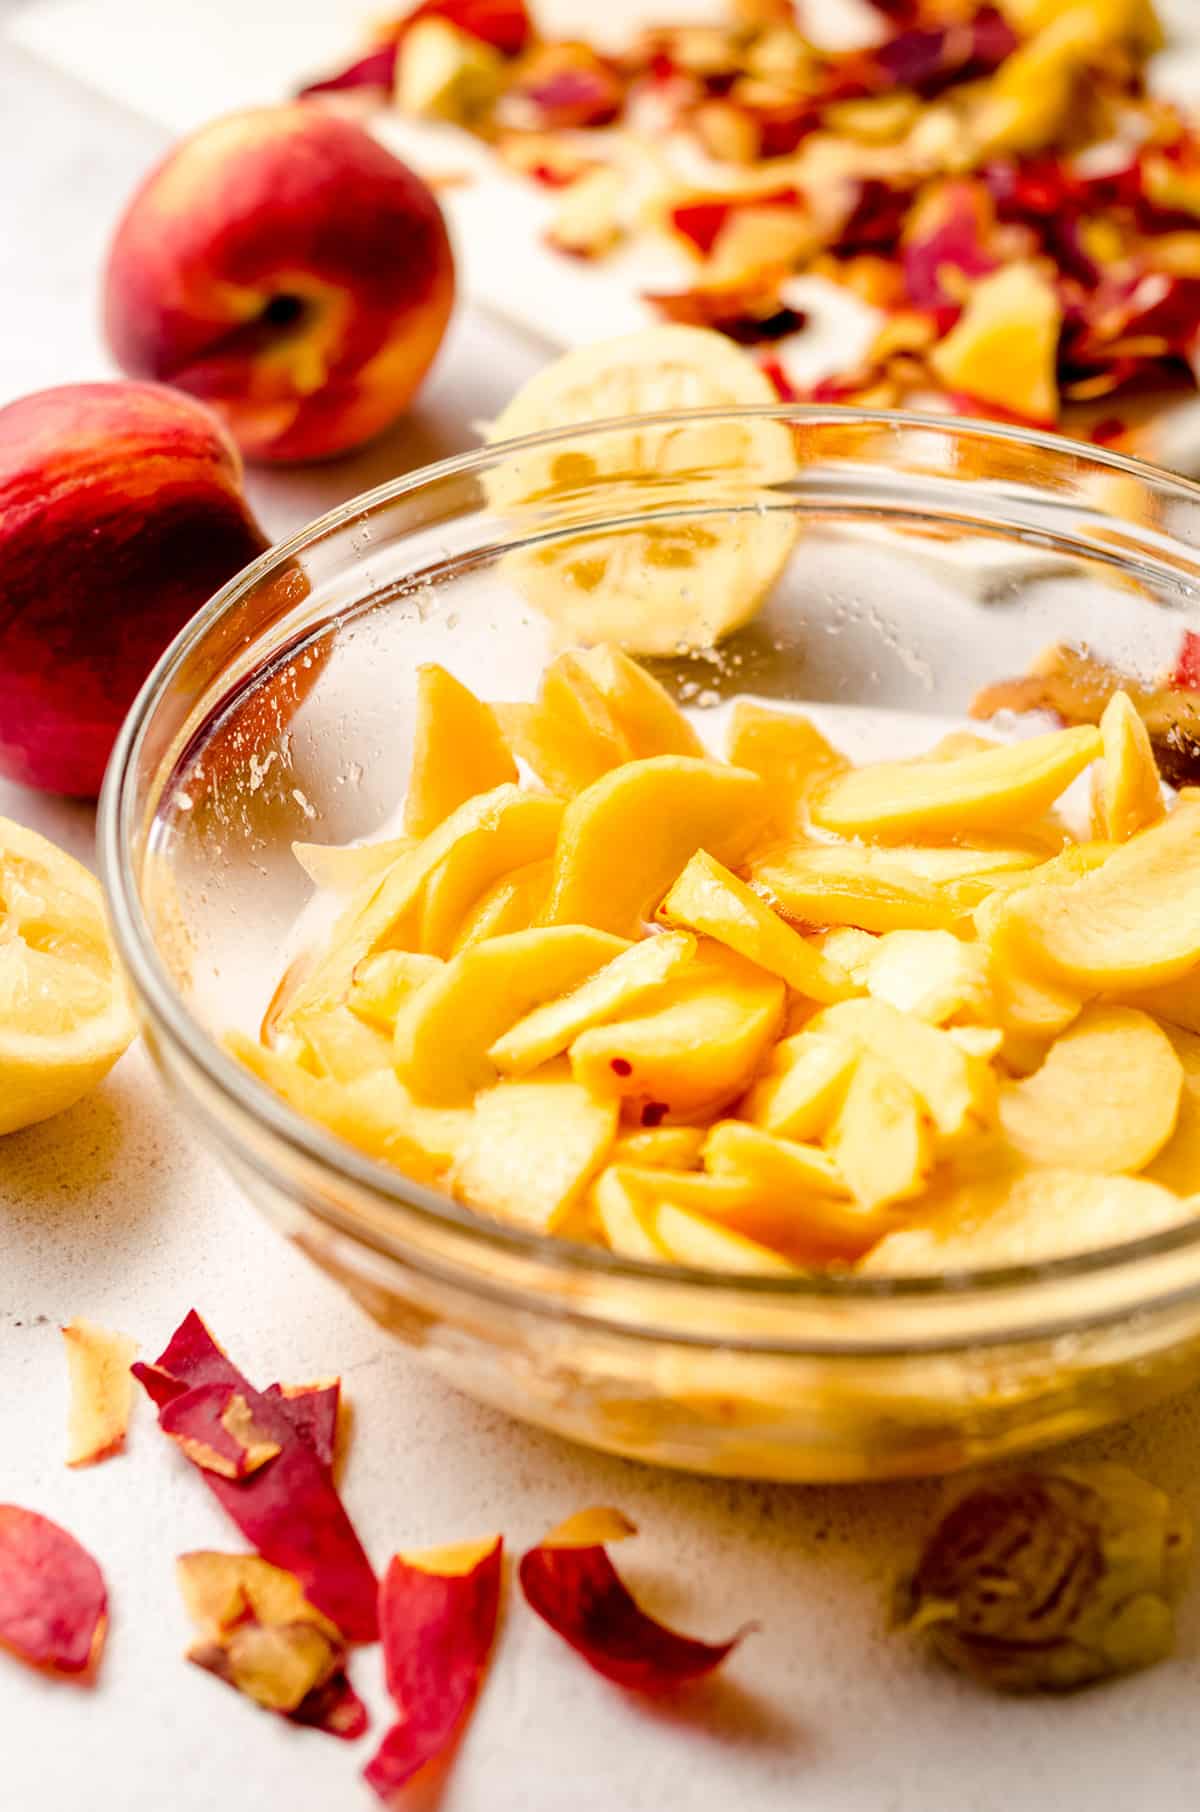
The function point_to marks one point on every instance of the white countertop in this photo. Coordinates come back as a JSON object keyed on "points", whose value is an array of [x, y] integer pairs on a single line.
{"points": [[112, 1211]]}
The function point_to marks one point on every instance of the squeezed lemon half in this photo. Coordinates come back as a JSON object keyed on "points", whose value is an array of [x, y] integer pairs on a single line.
{"points": [[64, 1013]]}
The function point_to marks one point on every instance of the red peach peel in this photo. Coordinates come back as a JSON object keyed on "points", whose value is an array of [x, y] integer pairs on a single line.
{"points": [[437, 1617], [53, 1600], [573, 1586]]}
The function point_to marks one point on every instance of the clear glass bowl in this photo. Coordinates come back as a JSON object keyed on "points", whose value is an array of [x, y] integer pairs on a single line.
{"points": [[928, 559]]}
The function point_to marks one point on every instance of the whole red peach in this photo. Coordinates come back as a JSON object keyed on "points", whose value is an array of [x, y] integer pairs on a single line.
{"points": [[121, 512], [287, 269]]}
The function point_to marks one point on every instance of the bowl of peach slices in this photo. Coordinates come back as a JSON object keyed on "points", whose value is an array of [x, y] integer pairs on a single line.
{"points": [[694, 917]]}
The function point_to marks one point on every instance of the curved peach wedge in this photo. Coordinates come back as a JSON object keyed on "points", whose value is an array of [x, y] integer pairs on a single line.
{"points": [[881, 1139], [633, 974], [531, 1147], [690, 1239], [803, 1087], [626, 838], [445, 1030], [644, 711], [1105, 1099], [994, 790], [1024, 1218], [955, 1087], [458, 751], [708, 899], [484, 839], [513, 903], [696, 1050], [1128, 790], [864, 888], [1132, 924]]}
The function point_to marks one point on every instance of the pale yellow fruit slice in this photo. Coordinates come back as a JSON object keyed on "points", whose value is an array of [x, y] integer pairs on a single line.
{"points": [[1025, 1219], [692, 1053], [458, 751], [995, 790], [646, 714], [626, 1220], [802, 1089], [531, 1148], [444, 1030], [851, 949], [881, 1139], [375, 1113], [381, 984], [514, 903], [1132, 924], [932, 974], [1177, 1165], [341, 1045], [622, 984], [1106, 1098], [805, 1225], [651, 587], [341, 868], [484, 839], [1128, 795], [956, 1087], [64, 1013], [708, 899], [570, 736], [1004, 346], [774, 1167], [853, 886], [786, 748], [693, 1241], [661, 1147], [626, 838]]}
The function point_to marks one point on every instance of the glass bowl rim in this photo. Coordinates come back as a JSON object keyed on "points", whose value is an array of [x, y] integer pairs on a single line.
{"points": [[233, 1083]]}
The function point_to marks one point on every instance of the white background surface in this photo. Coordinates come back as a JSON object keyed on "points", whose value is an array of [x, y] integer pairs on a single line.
{"points": [[113, 1212]]}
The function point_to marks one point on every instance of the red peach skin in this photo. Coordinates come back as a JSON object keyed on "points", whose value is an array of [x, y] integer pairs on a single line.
{"points": [[121, 513], [284, 267]]}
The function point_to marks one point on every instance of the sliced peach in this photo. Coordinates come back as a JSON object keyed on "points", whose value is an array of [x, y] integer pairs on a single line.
{"points": [[1106, 1098], [956, 1088], [1177, 1165], [802, 1089], [531, 1147], [513, 903], [633, 975], [485, 838], [1004, 346], [625, 1218], [375, 1113], [458, 751], [692, 1240], [708, 899], [804, 1225], [1024, 1218], [381, 984], [1128, 789], [476, 860], [342, 868], [570, 735], [1132, 924], [932, 974], [645, 712], [444, 1030], [852, 886], [993, 790], [661, 1147], [881, 1140], [786, 748], [693, 1052], [850, 948], [771, 1166], [342, 1045], [626, 837]]}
